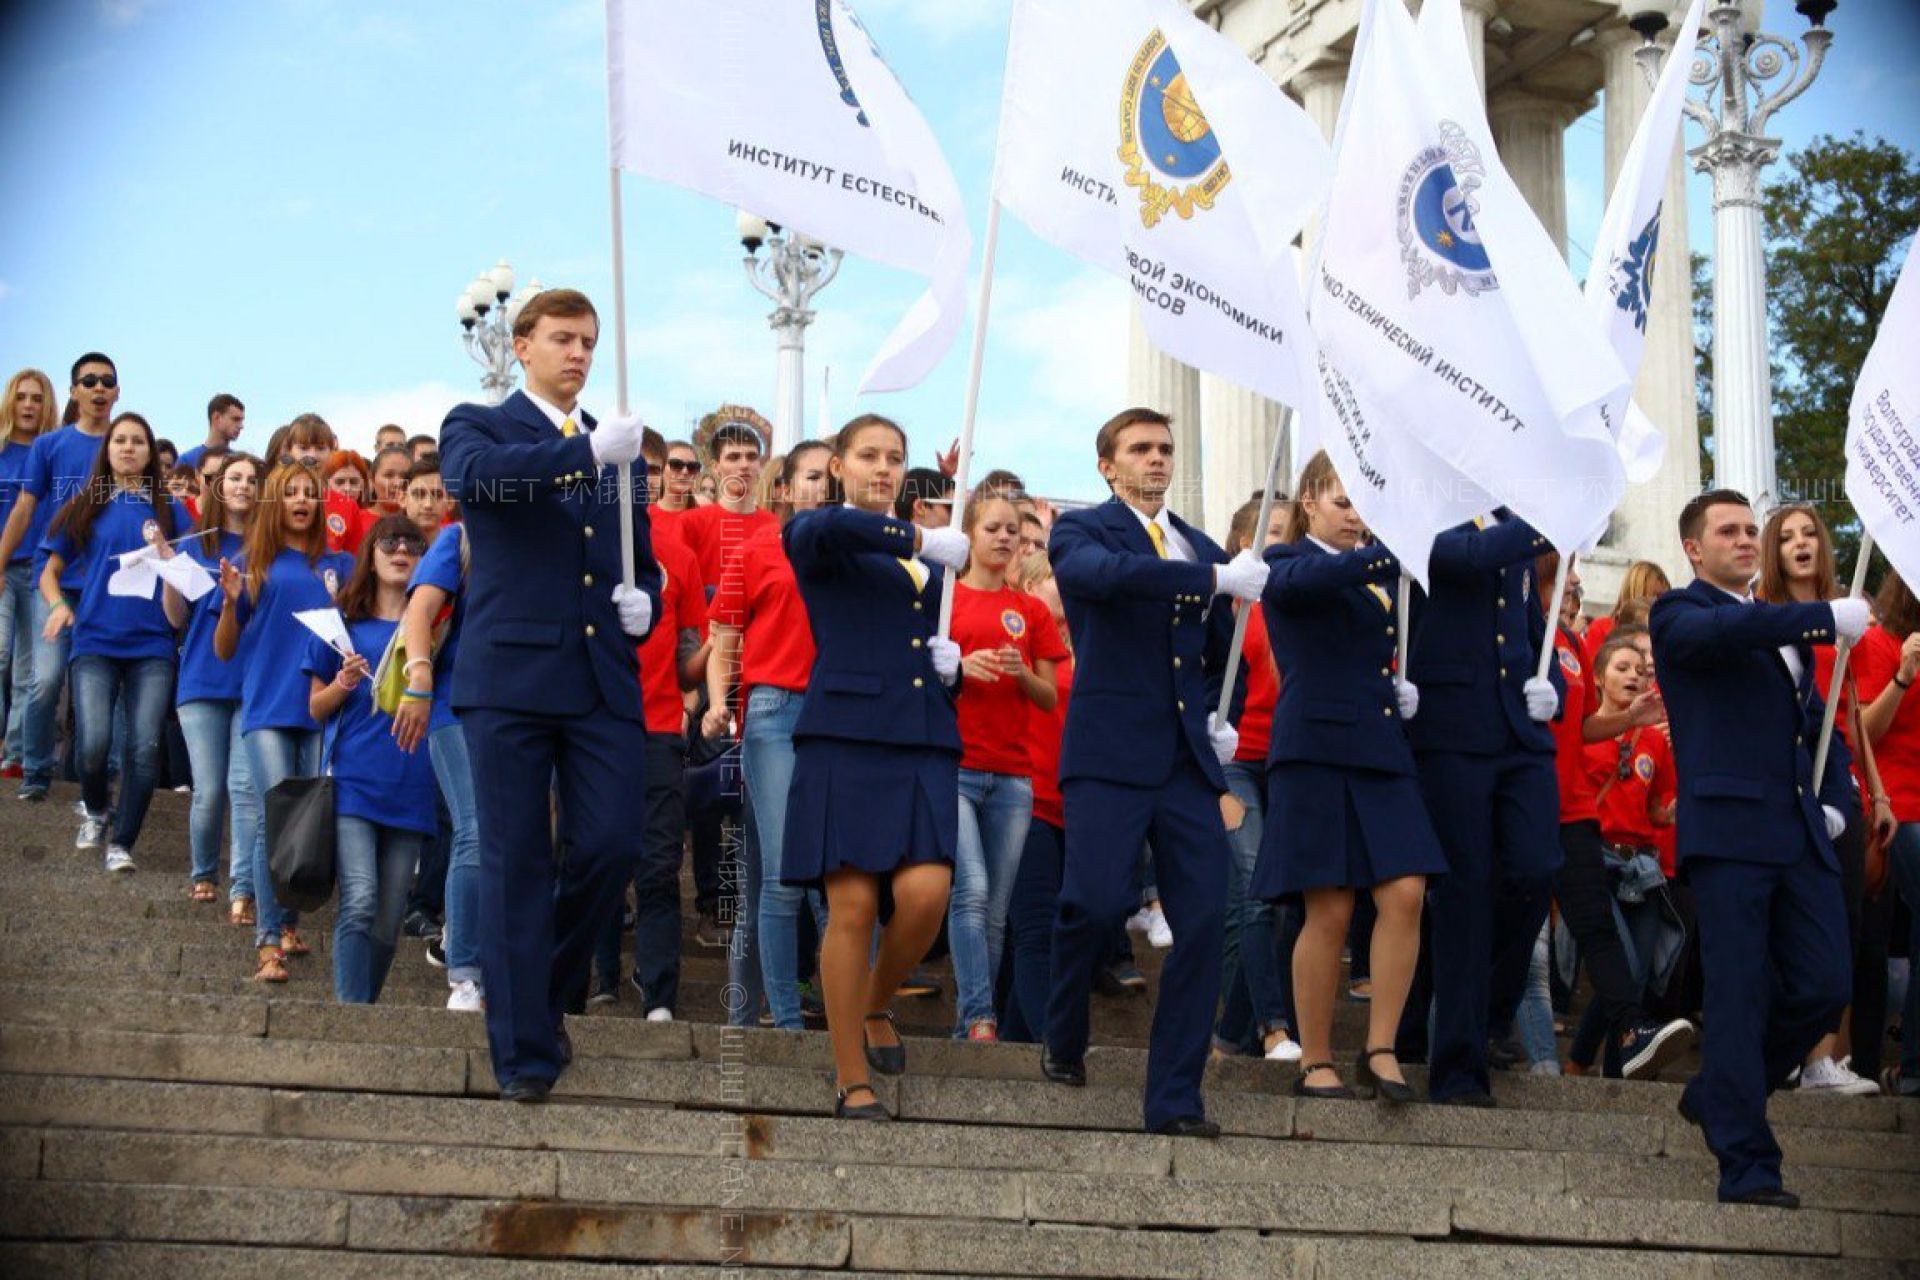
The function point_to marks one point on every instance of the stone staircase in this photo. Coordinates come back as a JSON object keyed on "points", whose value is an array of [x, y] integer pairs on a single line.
{"points": [[161, 1116]]}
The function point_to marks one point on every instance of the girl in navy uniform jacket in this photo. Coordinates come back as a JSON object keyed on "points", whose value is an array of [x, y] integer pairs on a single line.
{"points": [[383, 796], [1344, 810], [208, 694], [284, 568], [122, 646], [875, 795]]}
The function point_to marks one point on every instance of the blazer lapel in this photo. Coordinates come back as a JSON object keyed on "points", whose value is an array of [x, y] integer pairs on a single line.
{"points": [[1123, 520]]}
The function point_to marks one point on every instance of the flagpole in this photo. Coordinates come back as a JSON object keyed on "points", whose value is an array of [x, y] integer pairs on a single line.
{"points": [[625, 470], [1842, 651], [1281, 447], [972, 410], [1560, 576], [1404, 646]]}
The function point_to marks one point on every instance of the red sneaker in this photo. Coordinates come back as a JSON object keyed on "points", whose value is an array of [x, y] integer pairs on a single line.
{"points": [[11, 769]]}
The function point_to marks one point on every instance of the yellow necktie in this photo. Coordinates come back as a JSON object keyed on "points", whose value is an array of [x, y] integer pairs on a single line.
{"points": [[1159, 538], [916, 572], [567, 428], [1380, 594]]}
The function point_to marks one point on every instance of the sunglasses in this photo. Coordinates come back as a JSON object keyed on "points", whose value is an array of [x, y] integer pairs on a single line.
{"points": [[92, 380], [399, 542], [684, 467]]}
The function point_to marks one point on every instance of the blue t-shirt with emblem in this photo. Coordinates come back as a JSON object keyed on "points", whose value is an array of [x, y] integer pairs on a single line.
{"points": [[13, 479], [108, 625], [59, 467], [203, 677], [273, 643], [440, 567], [373, 779]]}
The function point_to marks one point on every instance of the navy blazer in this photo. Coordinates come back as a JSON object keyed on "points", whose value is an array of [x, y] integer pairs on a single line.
{"points": [[1743, 731], [1476, 643], [541, 634], [1334, 639], [1148, 651], [873, 678]]}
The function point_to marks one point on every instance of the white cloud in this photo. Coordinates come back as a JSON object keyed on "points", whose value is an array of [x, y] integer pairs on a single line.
{"points": [[1071, 336], [356, 415]]}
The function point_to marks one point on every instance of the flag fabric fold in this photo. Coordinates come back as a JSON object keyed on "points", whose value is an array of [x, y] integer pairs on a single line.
{"points": [[1883, 430], [790, 111]]}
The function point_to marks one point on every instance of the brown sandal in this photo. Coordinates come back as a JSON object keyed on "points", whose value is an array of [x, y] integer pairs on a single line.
{"points": [[240, 911], [203, 891], [291, 943], [273, 965]]}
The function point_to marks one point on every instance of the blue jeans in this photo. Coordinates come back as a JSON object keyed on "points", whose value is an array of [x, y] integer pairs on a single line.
{"points": [[222, 780], [16, 654], [995, 809], [375, 866], [43, 710], [1257, 983], [1533, 1020], [448, 747], [1905, 857], [144, 686], [276, 755], [766, 757]]}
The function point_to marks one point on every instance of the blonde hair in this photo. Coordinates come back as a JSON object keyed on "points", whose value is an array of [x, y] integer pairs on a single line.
{"points": [[7, 424], [1316, 478], [1034, 570]]}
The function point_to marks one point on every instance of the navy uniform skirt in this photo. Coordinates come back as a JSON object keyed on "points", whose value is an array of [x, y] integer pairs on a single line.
{"points": [[1331, 828], [870, 806]]}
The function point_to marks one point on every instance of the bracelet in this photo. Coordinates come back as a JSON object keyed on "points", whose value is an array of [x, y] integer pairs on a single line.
{"points": [[1904, 684], [56, 604], [415, 662], [416, 695]]}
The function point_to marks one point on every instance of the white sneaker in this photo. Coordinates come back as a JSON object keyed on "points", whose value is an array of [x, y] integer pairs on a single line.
{"points": [[1159, 932], [465, 997], [1824, 1075], [120, 862], [1288, 1050], [93, 831], [1139, 921], [662, 1014]]}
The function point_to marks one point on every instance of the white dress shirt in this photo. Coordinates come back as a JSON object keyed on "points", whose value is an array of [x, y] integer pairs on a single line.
{"points": [[555, 414], [1788, 654], [1177, 548]]}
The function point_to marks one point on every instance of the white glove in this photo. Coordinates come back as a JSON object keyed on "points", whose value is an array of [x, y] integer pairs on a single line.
{"points": [[1836, 821], [1409, 698], [1244, 577], [945, 546], [1224, 737], [1850, 617], [636, 610], [1543, 700], [616, 441], [946, 660]]}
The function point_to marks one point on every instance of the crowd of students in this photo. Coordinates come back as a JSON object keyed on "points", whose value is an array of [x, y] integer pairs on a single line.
{"points": [[893, 786]]}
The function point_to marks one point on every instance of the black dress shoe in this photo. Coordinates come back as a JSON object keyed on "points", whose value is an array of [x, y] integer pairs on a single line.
{"points": [[1471, 1098], [528, 1089], [1770, 1197], [888, 1060], [1505, 1055], [1324, 1092], [865, 1111], [1397, 1091], [1189, 1127], [1070, 1073]]}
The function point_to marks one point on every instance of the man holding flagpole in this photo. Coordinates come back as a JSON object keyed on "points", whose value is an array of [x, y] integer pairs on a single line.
{"points": [[547, 680]]}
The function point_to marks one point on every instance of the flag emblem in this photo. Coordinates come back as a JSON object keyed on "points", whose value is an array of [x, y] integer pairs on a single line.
{"points": [[1171, 154], [1569, 663], [332, 580], [1643, 765], [830, 45], [336, 524], [1439, 212], [1014, 622], [1632, 281]]}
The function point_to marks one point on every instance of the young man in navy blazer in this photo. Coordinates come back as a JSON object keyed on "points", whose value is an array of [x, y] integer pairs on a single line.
{"points": [[1756, 831], [547, 680], [1140, 759]]}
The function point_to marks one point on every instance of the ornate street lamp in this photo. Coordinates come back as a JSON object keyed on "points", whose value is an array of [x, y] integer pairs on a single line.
{"points": [[792, 272], [487, 310]]}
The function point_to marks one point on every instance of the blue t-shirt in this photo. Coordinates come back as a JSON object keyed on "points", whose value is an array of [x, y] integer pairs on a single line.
{"points": [[104, 624], [13, 478], [373, 778], [191, 458], [440, 567], [273, 644], [202, 675], [59, 466]]}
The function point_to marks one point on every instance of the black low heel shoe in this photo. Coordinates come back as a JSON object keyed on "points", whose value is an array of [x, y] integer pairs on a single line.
{"points": [[888, 1061], [865, 1111], [1331, 1093], [1385, 1090]]}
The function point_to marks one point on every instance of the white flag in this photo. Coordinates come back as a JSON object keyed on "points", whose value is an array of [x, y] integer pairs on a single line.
{"points": [[1139, 139], [1443, 300], [186, 575], [1620, 276], [788, 109], [137, 576], [1883, 430]]}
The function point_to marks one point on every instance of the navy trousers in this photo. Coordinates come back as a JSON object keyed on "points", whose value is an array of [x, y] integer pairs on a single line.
{"points": [[1498, 818], [541, 915], [1777, 963], [1106, 823], [654, 863]]}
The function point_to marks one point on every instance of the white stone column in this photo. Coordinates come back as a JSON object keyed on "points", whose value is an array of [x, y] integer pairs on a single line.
{"points": [[1743, 456], [1158, 381], [1531, 133], [1478, 13], [1241, 426]]}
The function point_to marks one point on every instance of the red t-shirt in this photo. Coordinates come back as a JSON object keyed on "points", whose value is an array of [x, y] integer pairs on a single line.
{"points": [[664, 523], [347, 522], [1569, 744], [1875, 662], [1626, 808], [993, 716], [1263, 690], [1043, 748], [713, 533], [683, 607], [1596, 635], [759, 595]]}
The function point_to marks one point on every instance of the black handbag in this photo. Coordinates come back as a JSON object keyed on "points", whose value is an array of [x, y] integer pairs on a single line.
{"points": [[300, 839]]}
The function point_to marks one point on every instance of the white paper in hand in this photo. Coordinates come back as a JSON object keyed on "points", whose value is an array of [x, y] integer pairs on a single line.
{"points": [[136, 577], [329, 626], [185, 575]]}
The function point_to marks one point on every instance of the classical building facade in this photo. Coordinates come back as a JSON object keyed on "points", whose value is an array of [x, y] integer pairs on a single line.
{"points": [[1543, 64]]}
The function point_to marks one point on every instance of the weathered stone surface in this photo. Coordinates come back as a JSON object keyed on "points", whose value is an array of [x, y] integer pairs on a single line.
{"points": [[1896, 1239], [200, 1262], [1355, 1164], [1342, 1259], [96, 1009], [231, 1059], [225, 1215], [628, 1038], [1569, 1219], [926, 1145], [701, 1085], [28, 955], [1103, 1200], [81, 1101], [1678, 1178], [19, 1153], [998, 1249], [783, 1185], [44, 1261], [1019, 1102], [1510, 1129], [1846, 1149]]}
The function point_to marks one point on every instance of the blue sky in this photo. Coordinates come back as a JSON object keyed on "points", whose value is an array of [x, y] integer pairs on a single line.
{"points": [[282, 198]]}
